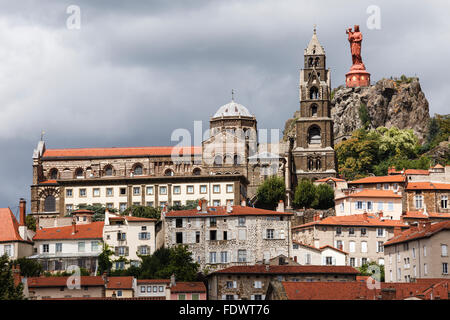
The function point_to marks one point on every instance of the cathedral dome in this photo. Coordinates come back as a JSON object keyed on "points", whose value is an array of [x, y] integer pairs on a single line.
{"points": [[232, 109]]}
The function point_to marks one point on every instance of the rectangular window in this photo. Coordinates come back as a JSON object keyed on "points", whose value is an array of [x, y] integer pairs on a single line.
{"points": [[142, 289], [225, 235], [380, 232], [212, 257], [213, 222], [195, 296], [380, 206], [352, 262], [80, 246], [82, 192], [339, 244], [144, 235], [136, 191], [338, 230], [351, 231], [163, 190], [425, 268], [121, 236], [96, 192], [386, 186], [229, 297], [197, 237], [329, 261], [110, 205], [149, 190], [69, 193], [176, 189], [444, 250], [363, 261], [242, 255], [445, 268], [229, 285], [161, 288], [269, 233], [419, 201], [242, 233], [308, 258], [203, 189], [179, 223], [189, 189], [257, 284], [444, 202], [58, 247], [179, 237], [351, 246], [241, 221], [424, 251], [364, 246], [216, 203], [378, 186], [181, 297], [94, 246], [212, 235], [123, 191], [122, 206], [224, 257], [45, 248], [216, 188], [390, 206], [359, 205], [380, 247], [155, 289], [363, 231], [109, 192], [69, 208], [229, 188], [369, 205]]}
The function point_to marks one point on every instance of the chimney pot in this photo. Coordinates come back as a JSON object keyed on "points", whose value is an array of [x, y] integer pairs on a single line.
{"points": [[23, 212]]}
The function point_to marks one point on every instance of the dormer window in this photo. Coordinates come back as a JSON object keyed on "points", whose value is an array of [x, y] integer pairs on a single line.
{"points": [[137, 170]]}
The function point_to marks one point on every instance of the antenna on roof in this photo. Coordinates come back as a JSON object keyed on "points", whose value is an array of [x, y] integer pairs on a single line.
{"points": [[42, 135], [232, 94]]}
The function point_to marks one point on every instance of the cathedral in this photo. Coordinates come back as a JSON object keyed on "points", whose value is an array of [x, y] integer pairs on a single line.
{"points": [[226, 169]]}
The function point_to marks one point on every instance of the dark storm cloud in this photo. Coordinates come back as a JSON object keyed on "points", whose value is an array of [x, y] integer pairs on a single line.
{"points": [[137, 70]]}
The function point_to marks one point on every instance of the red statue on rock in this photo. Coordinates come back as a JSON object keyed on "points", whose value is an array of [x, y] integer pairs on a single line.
{"points": [[357, 76]]}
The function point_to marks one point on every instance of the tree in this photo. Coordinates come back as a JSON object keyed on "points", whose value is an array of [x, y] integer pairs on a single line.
{"points": [[28, 267], [190, 204], [324, 197], [98, 209], [364, 270], [305, 194], [364, 115], [30, 222], [270, 192], [8, 290], [104, 261], [143, 212]]}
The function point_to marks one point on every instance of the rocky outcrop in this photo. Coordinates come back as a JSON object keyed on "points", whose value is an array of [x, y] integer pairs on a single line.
{"points": [[390, 102], [440, 153]]}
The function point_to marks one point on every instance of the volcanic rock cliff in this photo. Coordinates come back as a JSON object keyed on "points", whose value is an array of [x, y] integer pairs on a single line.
{"points": [[390, 102], [400, 103]]}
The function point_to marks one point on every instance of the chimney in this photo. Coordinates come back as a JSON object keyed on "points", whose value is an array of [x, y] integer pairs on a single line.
{"points": [[74, 226], [23, 212], [397, 231], [365, 216], [243, 204], [106, 217], [172, 280], [229, 207], [380, 214], [280, 207], [204, 203], [16, 274]]}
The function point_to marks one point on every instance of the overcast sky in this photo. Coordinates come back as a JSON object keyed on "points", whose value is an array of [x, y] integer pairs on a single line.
{"points": [[137, 70]]}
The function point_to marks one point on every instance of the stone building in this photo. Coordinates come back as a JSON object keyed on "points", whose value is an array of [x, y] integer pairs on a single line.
{"points": [[219, 237], [252, 282], [313, 153], [428, 197], [362, 236], [417, 253]]}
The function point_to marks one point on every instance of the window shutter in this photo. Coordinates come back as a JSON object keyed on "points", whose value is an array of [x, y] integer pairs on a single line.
{"points": [[265, 234], [263, 297], [174, 240], [324, 261], [116, 251], [207, 235], [219, 235], [252, 297], [234, 284], [224, 297], [282, 234], [334, 261], [236, 297], [127, 251], [276, 235], [208, 222], [184, 223], [356, 205], [174, 225], [184, 237]]}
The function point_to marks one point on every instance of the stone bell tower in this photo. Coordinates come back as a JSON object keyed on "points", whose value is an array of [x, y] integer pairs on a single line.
{"points": [[313, 153]]}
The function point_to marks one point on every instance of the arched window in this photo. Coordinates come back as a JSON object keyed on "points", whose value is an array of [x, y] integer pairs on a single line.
{"points": [[313, 93], [197, 172], [137, 171], [108, 171], [79, 173], [316, 62], [318, 164], [310, 164], [168, 172], [310, 62], [228, 159], [314, 135], [237, 160], [53, 174], [314, 110], [50, 204], [218, 160]]}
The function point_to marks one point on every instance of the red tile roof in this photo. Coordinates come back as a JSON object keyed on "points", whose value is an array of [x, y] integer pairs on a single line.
{"points": [[421, 215], [145, 281], [427, 186], [188, 287], [369, 193], [379, 179], [285, 269], [9, 226], [120, 283], [34, 282], [358, 290], [416, 171], [305, 245], [330, 178], [92, 230], [105, 298], [222, 211], [354, 220], [333, 248], [48, 182], [118, 152], [419, 232]]}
